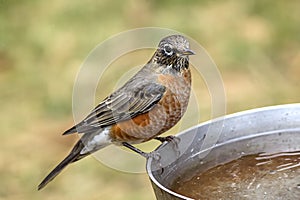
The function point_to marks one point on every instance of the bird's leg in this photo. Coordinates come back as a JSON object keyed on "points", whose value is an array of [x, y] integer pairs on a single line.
{"points": [[129, 146], [153, 154]]}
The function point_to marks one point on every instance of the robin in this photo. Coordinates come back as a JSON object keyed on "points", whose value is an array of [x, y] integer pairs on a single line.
{"points": [[147, 105]]}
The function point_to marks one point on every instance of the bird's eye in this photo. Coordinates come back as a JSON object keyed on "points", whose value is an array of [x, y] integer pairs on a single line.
{"points": [[168, 49]]}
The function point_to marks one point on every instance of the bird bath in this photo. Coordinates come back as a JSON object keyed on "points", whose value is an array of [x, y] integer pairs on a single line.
{"points": [[260, 146]]}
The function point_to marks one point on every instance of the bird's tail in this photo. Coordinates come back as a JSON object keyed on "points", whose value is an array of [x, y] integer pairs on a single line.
{"points": [[72, 157]]}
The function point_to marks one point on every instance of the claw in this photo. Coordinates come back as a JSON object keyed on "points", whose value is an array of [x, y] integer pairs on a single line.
{"points": [[169, 138], [174, 141], [155, 155]]}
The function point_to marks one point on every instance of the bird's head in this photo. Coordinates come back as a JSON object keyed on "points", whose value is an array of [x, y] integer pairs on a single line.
{"points": [[173, 51]]}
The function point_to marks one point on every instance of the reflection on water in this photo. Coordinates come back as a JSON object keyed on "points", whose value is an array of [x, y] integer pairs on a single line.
{"points": [[260, 176]]}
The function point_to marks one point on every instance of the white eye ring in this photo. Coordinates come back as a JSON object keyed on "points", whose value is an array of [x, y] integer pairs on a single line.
{"points": [[168, 49]]}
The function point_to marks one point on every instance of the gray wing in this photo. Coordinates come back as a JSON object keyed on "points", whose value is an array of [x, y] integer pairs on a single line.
{"points": [[126, 103]]}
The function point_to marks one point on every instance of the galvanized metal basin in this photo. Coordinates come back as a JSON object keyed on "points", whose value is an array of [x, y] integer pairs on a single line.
{"points": [[269, 129]]}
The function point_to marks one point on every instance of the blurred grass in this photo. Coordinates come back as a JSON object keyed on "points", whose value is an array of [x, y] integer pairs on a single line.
{"points": [[256, 45]]}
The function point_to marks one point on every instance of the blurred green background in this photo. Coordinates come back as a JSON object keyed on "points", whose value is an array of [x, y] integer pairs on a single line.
{"points": [[255, 44]]}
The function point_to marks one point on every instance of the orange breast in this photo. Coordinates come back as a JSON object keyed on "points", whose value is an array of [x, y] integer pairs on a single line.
{"points": [[162, 117], [122, 131]]}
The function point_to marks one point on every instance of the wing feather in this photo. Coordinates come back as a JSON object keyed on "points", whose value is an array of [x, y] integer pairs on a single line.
{"points": [[121, 105]]}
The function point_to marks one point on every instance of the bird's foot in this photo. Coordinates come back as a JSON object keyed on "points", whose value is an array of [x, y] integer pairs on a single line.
{"points": [[167, 139], [156, 160], [154, 155], [174, 141]]}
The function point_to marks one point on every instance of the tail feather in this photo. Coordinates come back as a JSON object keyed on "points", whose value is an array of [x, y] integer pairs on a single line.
{"points": [[70, 131], [72, 157], [95, 141]]}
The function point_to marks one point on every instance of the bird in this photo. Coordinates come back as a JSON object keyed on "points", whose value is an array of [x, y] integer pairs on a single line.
{"points": [[147, 105]]}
